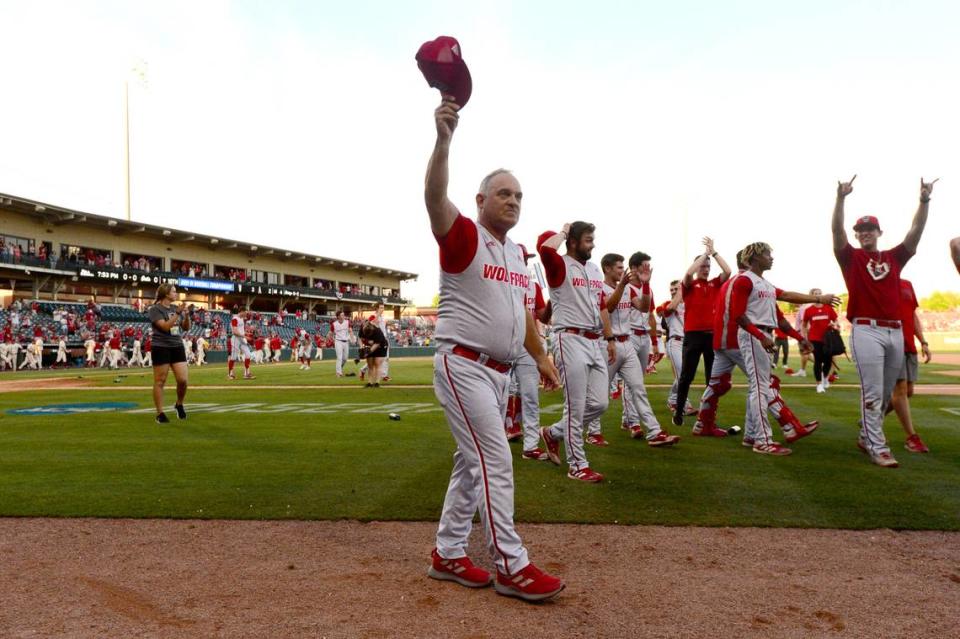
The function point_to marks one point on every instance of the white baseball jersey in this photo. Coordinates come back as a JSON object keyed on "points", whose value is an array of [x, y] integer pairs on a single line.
{"points": [[482, 305], [762, 303], [639, 320], [620, 316], [341, 330], [674, 321], [576, 301]]}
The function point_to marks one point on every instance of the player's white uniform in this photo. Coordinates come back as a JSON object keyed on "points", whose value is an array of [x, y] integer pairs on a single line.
{"points": [[239, 350], [4, 356], [637, 410], [61, 352], [13, 350], [201, 345], [674, 349], [304, 346], [481, 311], [579, 353], [527, 377], [627, 363], [762, 313], [341, 341], [188, 350], [266, 350], [91, 347], [104, 354], [136, 357]]}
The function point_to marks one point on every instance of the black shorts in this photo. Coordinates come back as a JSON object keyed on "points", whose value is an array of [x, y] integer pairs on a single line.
{"points": [[162, 355]]}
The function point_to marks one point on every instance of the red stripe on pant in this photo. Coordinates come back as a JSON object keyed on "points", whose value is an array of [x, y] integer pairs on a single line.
{"points": [[761, 409], [566, 391], [483, 465]]}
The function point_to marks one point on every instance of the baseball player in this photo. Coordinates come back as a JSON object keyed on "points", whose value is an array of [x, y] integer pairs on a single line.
{"points": [[202, 345], [699, 298], [13, 351], [382, 324], [527, 375], [727, 355], [580, 319], [621, 300], [104, 354], [876, 339], [672, 313], [188, 350], [5, 359], [61, 352], [136, 357], [955, 252], [752, 306], [643, 338], [305, 353], [91, 346], [342, 336], [239, 350], [805, 357], [482, 324], [148, 350], [29, 357], [267, 353], [276, 345], [903, 390]]}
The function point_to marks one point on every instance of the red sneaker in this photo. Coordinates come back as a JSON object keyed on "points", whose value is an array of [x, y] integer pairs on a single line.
{"points": [[832, 377], [707, 430], [915, 445], [249, 376], [884, 460], [747, 442], [530, 584], [798, 432], [663, 439], [553, 446], [460, 570], [626, 426], [514, 432], [537, 454], [597, 440], [616, 394], [636, 432], [587, 475], [773, 448]]}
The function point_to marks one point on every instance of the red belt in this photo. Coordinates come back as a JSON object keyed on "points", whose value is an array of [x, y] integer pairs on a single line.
{"points": [[863, 321], [621, 338], [481, 358], [582, 333], [639, 332]]}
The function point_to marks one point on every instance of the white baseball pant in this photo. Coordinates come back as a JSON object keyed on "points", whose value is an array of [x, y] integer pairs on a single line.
{"points": [[878, 353], [634, 391], [636, 403], [343, 349], [756, 365], [527, 374], [674, 351], [61, 357], [474, 400], [582, 364]]}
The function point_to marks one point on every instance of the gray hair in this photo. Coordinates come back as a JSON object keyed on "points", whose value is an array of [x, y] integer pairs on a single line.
{"points": [[485, 183]]}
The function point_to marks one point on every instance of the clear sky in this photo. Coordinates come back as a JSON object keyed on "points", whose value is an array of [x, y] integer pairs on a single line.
{"points": [[307, 125]]}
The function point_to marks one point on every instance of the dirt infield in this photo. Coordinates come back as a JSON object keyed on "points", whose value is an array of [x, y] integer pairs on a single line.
{"points": [[161, 578]]}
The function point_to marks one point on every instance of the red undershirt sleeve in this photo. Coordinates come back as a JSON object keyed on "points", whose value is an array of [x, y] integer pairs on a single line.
{"points": [[552, 261], [742, 288], [459, 246], [539, 302]]}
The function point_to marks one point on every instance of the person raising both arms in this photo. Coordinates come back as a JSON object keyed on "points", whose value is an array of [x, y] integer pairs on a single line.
{"points": [[876, 338]]}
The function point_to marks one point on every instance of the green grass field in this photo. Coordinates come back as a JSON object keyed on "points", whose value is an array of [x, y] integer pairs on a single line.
{"points": [[330, 453]]}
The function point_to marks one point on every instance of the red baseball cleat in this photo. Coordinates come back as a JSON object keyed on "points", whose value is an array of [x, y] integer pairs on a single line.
{"points": [[616, 394], [587, 475], [796, 432], [915, 445], [530, 584], [663, 439], [773, 448], [747, 442], [553, 446], [537, 454], [636, 432], [514, 432], [597, 440], [703, 430], [460, 570]]}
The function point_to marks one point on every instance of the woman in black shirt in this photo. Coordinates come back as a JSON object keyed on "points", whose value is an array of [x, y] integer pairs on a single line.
{"points": [[377, 348], [169, 325]]}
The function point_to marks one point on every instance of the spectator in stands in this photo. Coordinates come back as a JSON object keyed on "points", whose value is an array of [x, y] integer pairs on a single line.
{"points": [[167, 352]]}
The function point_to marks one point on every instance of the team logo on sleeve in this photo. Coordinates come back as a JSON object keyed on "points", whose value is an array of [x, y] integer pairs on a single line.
{"points": [[878, 270]]}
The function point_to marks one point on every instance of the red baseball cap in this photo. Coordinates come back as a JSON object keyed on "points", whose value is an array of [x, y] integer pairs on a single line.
{"points": [[525, 252], [442, 65], [865, 222]]}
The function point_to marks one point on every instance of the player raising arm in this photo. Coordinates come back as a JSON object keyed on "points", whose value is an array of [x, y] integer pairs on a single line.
{"points": [[482, 327], [876, 340]]}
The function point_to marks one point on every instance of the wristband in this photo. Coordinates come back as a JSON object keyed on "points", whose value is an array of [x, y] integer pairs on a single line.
{"points": [[645, 288], [714, 254]]}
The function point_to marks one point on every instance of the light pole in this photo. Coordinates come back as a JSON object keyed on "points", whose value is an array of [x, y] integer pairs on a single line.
{"points": [[139, 71]]}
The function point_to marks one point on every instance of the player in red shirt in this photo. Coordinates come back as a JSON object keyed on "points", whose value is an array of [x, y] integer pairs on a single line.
{"points": [[903, 391], [876, 340], [817, 318], [699, 298]]}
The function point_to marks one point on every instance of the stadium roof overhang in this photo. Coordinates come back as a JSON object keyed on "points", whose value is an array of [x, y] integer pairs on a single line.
{"points": [[58, 216]]}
